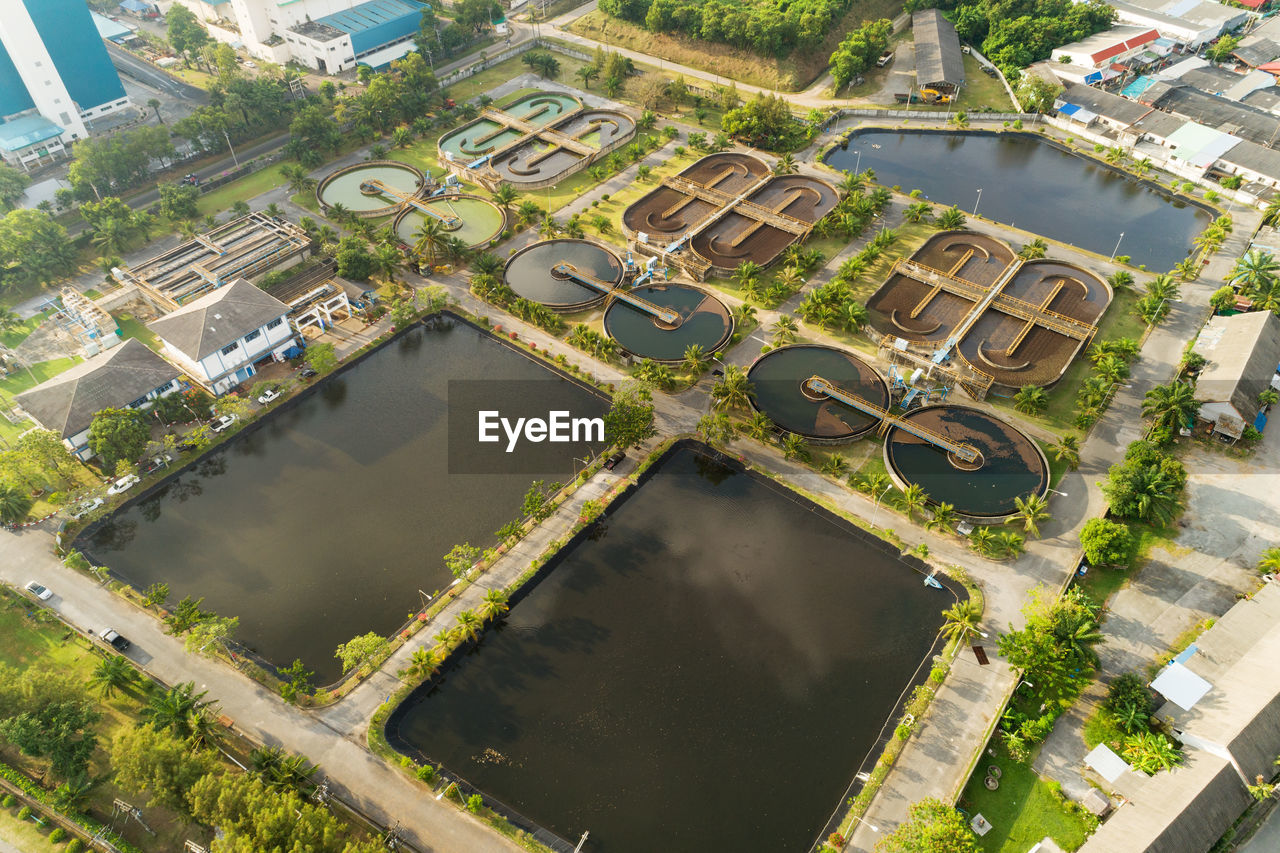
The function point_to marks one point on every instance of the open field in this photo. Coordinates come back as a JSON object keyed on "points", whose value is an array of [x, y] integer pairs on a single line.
{"points": [[1022, 811]]}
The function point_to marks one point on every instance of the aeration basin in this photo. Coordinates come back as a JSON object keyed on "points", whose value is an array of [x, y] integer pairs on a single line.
{"points": [[472, 219], [363, 188]]}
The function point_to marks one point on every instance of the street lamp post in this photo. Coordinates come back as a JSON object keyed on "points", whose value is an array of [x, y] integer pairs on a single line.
{"points": [[978, 202], [876, 511], [1116, 250], [870, 826], [857, 166], [1055, 491]]}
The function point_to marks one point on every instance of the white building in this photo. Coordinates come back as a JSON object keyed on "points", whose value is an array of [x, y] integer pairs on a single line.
{"points": [[1191, 22], [128, 376], [221, 337], [328, 35]]}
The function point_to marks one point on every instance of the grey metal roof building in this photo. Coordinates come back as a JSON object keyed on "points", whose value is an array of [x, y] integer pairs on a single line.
{"points": [[201, 328], [939, 61], [118, 377], [1243, 351]]}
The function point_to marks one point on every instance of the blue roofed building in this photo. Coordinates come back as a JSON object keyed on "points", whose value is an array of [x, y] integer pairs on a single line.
{"points": [[53, 66]]}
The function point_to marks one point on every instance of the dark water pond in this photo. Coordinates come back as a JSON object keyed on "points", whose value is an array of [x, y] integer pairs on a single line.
{"points": [[325, 522], [1035, 186], [706, 671]]}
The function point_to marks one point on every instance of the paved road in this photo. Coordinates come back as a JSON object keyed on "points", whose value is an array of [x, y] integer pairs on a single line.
{"points": [[127, 63], [1267, 838]]}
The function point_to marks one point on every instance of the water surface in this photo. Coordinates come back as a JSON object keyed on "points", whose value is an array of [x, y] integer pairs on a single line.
{"points": [[704, 672]]}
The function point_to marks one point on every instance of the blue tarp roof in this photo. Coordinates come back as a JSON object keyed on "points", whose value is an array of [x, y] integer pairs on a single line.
{"points": [[25, 131], [376, 23], [1068, 109]]}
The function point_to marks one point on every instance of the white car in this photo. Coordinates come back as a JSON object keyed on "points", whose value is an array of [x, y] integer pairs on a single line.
{"points": [[269, 395], [40, 591], [223, 422], [85, 507], [124, 484]]}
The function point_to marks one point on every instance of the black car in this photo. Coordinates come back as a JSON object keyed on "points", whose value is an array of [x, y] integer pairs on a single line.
{"points": [[308, 373], [186, 446], [117, 641], [612, 461]]}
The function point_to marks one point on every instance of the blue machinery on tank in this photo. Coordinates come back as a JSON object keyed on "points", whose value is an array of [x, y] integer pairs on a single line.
{"points": [[819, 387]]}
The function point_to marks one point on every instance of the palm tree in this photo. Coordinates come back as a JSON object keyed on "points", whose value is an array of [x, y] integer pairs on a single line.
{"points": [[786, 165], [487, 263], [914, 499], [1010, 542], [505, 196], [1111, 369], [876, 484], [428, 240], [853, 315], [784, 330], [494, 605], [1269, 561], [962, 621], [793, 447], [744, 272], [469, 625], [111, 674], [850, 183], [944, 518], [1142, 166], [1031, 511], [273, 210], [1120, 280], [918, 212], [1031, 400], [175, 709], [733, 391], [1186, 269], [549, 227], [1067, 450], [744, 314], [951, 219], [757, 426], [696, 358], [386, 260], [587, 73], [15, 503], [1171, 406], [1034, 249], [1271, 214], [1265, 296], [835, 465], [528, 212], [299, 180], [981, 539], [423, 664]]}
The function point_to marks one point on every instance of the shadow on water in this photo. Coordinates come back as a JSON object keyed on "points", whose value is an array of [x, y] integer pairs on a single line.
{"points": [[709, 675]]}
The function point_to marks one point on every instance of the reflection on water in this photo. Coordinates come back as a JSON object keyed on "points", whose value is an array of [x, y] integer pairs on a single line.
{"points": [[705, 672], [325, 521], [1033, 185]]}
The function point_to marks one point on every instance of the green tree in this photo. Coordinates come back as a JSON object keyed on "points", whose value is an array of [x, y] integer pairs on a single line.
{"points": [[33, 248], [733, 390], [117, 435], [13, 185], [146, 760], [359, 650], [321, 357], [179, 201], [15, 503], [932, 826], [1031, 510], [211, 633], [962, 620], [185, 34], [462, 558], [1106, 542], [1031, 400], [175, 709], [111, 674], [630, 419], [186, 615], [295, 680], [715, 428], [59, 731], [1171, 406]]}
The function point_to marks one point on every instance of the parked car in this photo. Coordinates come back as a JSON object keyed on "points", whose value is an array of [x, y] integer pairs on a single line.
{"points": [[124, 484], [308, 373], [156, 463], [40, 591], [612, 461], [85, 507], [117, 642], [269, 395], [223, 423]]}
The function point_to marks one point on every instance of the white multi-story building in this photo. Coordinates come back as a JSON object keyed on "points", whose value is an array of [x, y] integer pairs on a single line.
{"points": [[328, 35], [221, 337], [55, 75]]}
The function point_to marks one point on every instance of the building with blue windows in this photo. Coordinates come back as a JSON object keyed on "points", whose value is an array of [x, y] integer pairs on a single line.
{"points": [[55, 75]]}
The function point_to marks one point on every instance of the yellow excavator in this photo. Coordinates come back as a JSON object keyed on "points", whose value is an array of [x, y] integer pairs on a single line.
{"points": [[924, 96]]}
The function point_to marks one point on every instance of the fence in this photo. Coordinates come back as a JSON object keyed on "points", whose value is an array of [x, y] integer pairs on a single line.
{"points": [[1025, 118]]}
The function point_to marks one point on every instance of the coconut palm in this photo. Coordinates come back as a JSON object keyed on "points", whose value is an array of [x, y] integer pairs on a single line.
{"points": [[835, 465], [746, 271], [1271, 213], [853, 315], [1120, 280], [1111, 369], [944, 518], [505, 196], [696, 358], [1265, 296], [850, 183], [1163, 286], [1010, 542], [981, 539], [786, 165], [1268, 397], [423, 664], [1032, 510], [494, 605], [548, 227], [528, 212], [1067, 450], [757, 426], [793, 447], [918, 212], [469, 625], [733, 391], [789, 279], [914, 499], [744, 314], [15, 503], [1186, 269], [951, 219], [487, 263], [1031, 399], [1171, 406], [111, 674], [962, 620], [175, 709], [386, 261], [1034, 249], [1269, 561], [428, 240], [784, 330], [299, 180]]}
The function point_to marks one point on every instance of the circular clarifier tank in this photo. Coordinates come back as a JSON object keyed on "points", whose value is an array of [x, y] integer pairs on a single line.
{"points": [[473, 220], [1010, 464], [529, 273], [778, 378], [363, 188], [703, 320]]}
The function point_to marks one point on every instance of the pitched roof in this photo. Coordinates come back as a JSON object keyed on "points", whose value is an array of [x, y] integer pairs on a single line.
{"points": [[938, 56], [1243, 352], [201, 328], [67, 403]]}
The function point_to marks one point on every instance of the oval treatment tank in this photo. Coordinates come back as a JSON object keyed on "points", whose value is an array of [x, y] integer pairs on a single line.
{"points": [[778, 378], [477, 220], [354, 189], [704, 320], [529, 273], [1010, 464]]}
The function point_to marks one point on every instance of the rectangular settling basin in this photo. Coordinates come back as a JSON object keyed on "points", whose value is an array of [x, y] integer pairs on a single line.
{"points": [[707, 668], [324, 522]]}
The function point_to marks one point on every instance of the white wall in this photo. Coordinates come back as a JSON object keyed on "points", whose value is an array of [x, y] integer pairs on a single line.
{"points": [[214, 371], [35, 66]]}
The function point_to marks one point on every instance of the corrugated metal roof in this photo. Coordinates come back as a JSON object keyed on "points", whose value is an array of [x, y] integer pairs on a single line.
{"points": [[28, 130], [938, 56]]}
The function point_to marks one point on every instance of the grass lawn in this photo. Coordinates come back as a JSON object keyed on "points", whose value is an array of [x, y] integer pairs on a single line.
{"points": [[980, 90], [21, 380], [132, 327], [1100, 584], [26, 835], [250, 186], [19, 332], [1023, 810]]}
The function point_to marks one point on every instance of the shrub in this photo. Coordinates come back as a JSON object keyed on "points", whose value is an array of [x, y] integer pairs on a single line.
{"points": [[475, 803], [75, 845], [24, 812], [57, 835], [426, 773], [9, 801]]}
